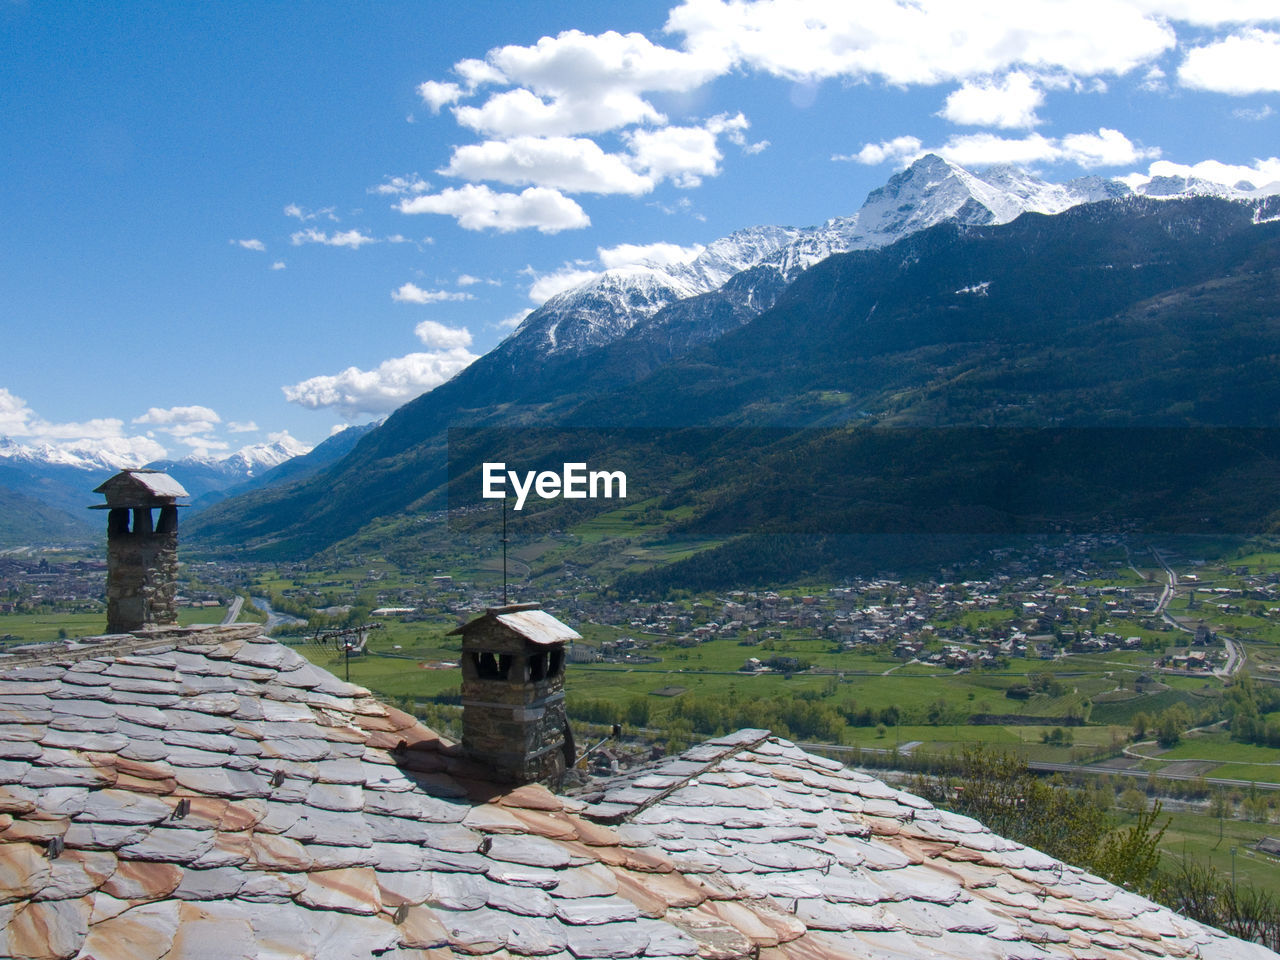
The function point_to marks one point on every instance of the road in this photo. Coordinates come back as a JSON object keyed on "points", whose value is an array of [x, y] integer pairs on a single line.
{"points": [[233, 611]]}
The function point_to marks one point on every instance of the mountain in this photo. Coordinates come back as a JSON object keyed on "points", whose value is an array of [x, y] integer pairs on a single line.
{"points": [[55, 484], [615, 329], [208, 479], [722, 356]]}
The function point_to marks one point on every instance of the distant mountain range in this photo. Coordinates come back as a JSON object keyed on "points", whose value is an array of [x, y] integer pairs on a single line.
{"points": [[47, 487], [1003, 298]]}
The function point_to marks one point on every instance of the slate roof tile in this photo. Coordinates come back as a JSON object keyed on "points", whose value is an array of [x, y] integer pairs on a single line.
{"points": [[315, 819]]}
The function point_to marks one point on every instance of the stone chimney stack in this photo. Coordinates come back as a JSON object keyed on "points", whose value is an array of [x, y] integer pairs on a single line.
{"points": [[142, 549], [513, 713]]}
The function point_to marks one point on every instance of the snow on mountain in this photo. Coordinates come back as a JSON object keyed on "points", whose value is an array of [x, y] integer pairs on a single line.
{"points": [[254, 459], [932, 190], [78, 457]]}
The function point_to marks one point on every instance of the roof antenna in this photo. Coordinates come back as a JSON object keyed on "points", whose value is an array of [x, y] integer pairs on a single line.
{"points": [[504, 551]]}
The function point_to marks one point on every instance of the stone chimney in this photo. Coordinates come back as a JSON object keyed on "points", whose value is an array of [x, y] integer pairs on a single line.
{"points": [[513, 714], [142, 549]]}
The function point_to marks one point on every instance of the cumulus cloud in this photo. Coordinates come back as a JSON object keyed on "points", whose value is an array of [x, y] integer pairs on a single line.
{"points": [[544, 286], [579, 83], [899, 148], [683, 154], [278, 265], [522, 112], [251, 244], [180, 422], [436, 94], [412, 293], [927, 42], [513, 321], [398, 186], [1105, 148], [437, 335], [352, 239], [1263, 173], [236, 427], [574, 165], [648, 254], [477, 207], [1009, 102], [356, 393], [1246, 62], [102, 436], [178, 415]]}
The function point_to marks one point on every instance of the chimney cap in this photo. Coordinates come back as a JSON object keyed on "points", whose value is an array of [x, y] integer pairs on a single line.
{"points": [[139, 488], [528, 621]]}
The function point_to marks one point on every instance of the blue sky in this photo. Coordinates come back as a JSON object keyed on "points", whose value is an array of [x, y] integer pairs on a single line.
{"points": [[225, 221]]}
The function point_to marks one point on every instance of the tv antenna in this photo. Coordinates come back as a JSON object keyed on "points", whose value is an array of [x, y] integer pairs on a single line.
{"points": [[504, 551]]}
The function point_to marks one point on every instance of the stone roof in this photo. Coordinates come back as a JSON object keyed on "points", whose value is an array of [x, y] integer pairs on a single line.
{"points": [[128, 484], [528, 621], [214, 794]]}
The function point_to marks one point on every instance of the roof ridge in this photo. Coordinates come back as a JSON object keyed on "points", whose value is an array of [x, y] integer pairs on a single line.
{"points": [[123, 644], [617, 810]]}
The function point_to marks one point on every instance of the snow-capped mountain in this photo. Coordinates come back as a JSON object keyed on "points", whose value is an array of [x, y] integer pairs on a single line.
{"points": [[64, 477], [245, 463], [932, 190]]}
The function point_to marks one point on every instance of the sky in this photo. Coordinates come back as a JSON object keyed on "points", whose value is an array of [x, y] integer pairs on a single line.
{"points": [[227, 223]]}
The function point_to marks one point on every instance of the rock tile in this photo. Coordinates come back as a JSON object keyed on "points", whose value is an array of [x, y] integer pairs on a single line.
{"points": [[140, 880], [48, 929], [529, 851], [144, 932], [609, 940], [347, 890], [596, 910], [123, 807]]}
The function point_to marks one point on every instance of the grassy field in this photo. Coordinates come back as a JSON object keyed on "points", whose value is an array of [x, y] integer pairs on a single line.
{"points": [[1196, 837], [41, 628]]}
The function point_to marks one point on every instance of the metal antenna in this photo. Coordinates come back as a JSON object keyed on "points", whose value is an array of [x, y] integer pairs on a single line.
{"points": [[504, 551]]}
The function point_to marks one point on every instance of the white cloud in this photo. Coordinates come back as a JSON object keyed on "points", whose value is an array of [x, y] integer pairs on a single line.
{"points": [[1009, 102], [574, 165], [236, 427], [203, 446], [467, 280], [178, 415], [353, 239], [899, 148], [251, 244], [521, 112], [513, 321], [356, 393], [303, 214], [683, 154], [1105, 148], [183, 423], [1261, 174], [649, 255], [547, 285], [929, 41], [477, 207], [103, 436], [477, 73], [398, 186], [412, 293], [1247, 62], [1255, 114], [278, 265], [439, 336], [580, 83], [436, 94]]}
